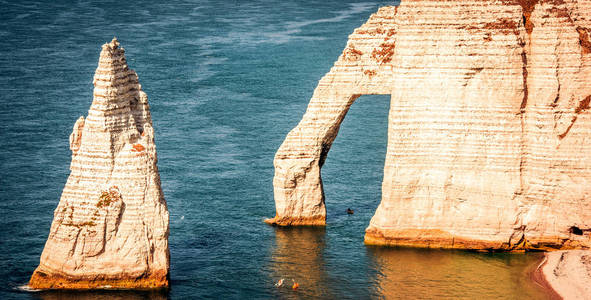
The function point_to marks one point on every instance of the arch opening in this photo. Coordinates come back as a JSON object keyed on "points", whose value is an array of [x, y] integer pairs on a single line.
{"points": [[354, 169]]}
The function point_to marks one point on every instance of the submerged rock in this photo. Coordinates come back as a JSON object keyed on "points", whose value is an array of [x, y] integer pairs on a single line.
{"points": [[110, 229], [489, 126]]}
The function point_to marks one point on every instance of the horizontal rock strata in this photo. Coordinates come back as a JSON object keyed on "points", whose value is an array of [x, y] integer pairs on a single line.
{"points": [[110, 229], [488, 135], [363, 68]]}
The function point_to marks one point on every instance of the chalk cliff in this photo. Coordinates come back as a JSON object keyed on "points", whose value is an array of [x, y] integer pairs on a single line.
{"points": [[489, 128], [110, 228]]}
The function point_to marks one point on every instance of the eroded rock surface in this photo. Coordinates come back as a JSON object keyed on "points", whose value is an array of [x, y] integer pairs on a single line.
{"points": [[110, 228], [489, 126]]}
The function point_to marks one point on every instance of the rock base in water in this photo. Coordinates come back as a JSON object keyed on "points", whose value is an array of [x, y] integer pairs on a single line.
{"points": [[297, 221], [439, 239], [40, 280]]}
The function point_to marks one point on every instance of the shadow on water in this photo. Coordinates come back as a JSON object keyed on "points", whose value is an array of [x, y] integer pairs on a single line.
{"points": [[298, 257], [448, 274], [102, 295]]}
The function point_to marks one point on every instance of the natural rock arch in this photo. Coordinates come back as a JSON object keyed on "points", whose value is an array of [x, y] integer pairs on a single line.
{"points": [[483, 148], [299, 196]]}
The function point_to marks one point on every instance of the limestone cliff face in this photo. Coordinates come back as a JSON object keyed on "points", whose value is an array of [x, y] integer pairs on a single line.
{"points": [[110, 228], [489, 128]]}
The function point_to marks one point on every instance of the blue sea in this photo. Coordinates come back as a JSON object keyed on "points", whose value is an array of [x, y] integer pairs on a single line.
{"points": [[226, 81]]}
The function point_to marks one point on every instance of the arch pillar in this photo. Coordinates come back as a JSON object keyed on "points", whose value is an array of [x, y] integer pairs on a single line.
{"points": [[363, 68]]}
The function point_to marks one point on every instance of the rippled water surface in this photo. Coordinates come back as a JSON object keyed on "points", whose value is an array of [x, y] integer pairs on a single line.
{"points": [[226, 81]]}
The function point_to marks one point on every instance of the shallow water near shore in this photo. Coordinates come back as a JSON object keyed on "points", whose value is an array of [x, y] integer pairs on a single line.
{"points": [[226, 81]]}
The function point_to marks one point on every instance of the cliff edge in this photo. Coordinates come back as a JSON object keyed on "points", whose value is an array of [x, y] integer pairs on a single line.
{"points": [[110, 228], [489, 125]]}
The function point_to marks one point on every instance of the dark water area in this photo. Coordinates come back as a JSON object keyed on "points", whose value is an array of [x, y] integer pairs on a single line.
{"points": [[226, 81]]}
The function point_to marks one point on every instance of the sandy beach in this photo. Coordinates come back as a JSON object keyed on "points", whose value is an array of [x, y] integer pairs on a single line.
{"points": [[565, 274]]}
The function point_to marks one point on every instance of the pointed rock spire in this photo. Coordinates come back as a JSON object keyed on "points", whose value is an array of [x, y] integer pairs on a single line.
{"points": [[111, 225]]}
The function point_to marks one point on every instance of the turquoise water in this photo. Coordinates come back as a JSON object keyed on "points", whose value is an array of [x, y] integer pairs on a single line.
{"points": [[226, 81]]}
